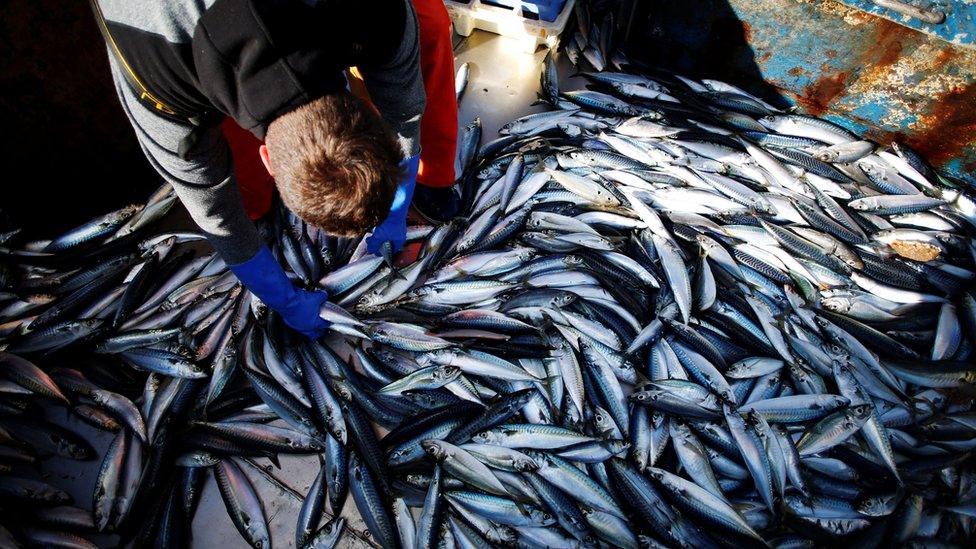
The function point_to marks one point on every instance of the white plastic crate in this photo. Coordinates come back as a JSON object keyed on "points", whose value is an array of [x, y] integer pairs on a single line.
{"points": [[508, 22]]}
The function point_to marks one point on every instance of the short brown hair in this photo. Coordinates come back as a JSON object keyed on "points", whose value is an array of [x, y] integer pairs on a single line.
{"points": [[336, 163]]}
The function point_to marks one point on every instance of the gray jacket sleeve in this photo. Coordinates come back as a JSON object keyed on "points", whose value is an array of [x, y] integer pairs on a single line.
{"points": [[397, 87], [203, 179]]}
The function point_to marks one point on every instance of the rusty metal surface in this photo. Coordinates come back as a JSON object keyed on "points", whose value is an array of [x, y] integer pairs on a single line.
{"points": [[866, 72]]}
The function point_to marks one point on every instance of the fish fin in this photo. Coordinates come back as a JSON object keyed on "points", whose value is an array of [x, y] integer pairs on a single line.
{"points": [[185, 337], [395, 273], [552, 379], [641, 379]]}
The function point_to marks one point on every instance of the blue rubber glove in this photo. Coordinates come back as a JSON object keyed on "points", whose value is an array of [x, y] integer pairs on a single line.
{"points": [[394, 228], [299, 308]]}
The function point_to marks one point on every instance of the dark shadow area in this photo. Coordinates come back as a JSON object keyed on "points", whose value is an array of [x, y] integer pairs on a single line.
{"points": [[69, 151], [699, 39]]}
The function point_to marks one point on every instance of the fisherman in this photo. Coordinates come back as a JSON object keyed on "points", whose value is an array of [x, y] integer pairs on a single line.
{"points": [[226, 94]]}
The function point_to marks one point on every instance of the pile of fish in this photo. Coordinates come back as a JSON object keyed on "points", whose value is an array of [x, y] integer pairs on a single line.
{"points": [[671, 315]]}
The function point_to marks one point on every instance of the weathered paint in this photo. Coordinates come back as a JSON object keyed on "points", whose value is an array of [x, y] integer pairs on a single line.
{"points": [[863, 71], [958, 28]]}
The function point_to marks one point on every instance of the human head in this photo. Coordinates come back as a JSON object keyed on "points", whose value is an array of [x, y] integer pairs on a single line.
{"points": [[335, 163]]}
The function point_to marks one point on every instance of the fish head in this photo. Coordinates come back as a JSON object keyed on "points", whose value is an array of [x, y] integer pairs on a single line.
{"points": [[533, 221], [337, 427], [826, 156], [753, 419], [602, 420], [836, 352], [678, 427], [487, 437], [589, 540], [525, 254], [197, 459], [760, 204], [534, 239], [539, 516], [420, 481], [436, 449], [465, 244], [861, 411], [489, 172], [735, 370], [342, 389], [334, 526], [572, 261], [87, 324], [616, 447], [367, 300], [582, 156], [655, 473], [797, 372], [501, 535], [520, 398], [562, 298], [874, 506], [837, 304], [446, 373], [647, 395], [647, 542], [821, 322], [524, 464], [870, 169]]}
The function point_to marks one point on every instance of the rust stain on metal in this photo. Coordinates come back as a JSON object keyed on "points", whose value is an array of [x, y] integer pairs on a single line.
{"points": [[948, 128], [872, 59], [747, 32], [818, 96], [888, 41], [831, 54], [796, 71], [942, 59], [945, 132], [887, 44]]}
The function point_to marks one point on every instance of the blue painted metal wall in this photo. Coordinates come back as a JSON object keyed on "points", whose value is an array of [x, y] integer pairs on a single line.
{"points": [[958, 26], [867, 72]]}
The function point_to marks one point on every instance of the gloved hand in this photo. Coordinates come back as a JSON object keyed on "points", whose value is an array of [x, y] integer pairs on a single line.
{"points": [[299, 308], [394, 228]]}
